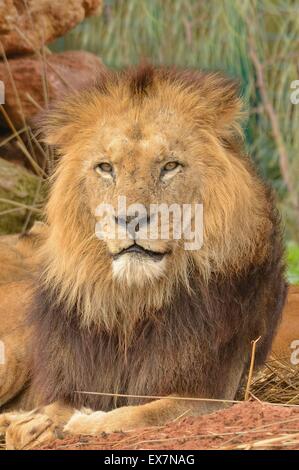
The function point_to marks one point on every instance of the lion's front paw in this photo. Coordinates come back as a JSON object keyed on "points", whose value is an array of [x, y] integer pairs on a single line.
{"points": [[83, 423], [121, 419], [28, 430]]}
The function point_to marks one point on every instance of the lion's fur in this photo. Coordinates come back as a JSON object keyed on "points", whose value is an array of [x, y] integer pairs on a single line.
{"points": [[17, 253], [187, 331]]}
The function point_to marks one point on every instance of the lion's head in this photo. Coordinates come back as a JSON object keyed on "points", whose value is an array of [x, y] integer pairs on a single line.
{"points": [[153, 136]]}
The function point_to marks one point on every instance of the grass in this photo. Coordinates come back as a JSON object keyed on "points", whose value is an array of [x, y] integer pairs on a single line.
{"points": [[293, 262], [277, 382]]}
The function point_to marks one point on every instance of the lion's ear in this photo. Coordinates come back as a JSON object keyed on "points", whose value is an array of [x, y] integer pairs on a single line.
{"points": [[222, 103], [226, 106], [217, 103], [55, 125]]}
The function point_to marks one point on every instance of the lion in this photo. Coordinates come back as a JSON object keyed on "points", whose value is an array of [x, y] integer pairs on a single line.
{"points": [[135, 331], [17, 254]]}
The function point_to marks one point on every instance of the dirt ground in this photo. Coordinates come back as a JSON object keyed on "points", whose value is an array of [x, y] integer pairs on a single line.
{"points": [[250, 425]]}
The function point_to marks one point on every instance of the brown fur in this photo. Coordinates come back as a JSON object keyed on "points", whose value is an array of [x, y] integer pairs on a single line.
{"points": [[188, 332], [18, 264]]}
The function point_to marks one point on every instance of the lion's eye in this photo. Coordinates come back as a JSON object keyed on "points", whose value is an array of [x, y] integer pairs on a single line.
{"points": [[170, 166], [104, 167]]}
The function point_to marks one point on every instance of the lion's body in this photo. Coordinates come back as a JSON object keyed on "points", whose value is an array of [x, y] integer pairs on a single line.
{"points": [[174, 322], [18, 262]]}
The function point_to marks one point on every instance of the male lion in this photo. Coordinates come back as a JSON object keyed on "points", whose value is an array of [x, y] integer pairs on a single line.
{"points": [[126, 317]]}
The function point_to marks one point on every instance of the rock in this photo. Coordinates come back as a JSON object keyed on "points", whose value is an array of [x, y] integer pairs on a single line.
{"points": [[26, 25], [65, 72], [19, 186]]}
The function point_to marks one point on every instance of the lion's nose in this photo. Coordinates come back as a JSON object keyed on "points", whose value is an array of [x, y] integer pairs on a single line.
{"points": [[139, 221]]}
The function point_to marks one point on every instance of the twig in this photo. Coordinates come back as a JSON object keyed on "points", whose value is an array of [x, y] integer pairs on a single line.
{"points": [[12, 136], [20, 204], [251, 368], [156, 397]]}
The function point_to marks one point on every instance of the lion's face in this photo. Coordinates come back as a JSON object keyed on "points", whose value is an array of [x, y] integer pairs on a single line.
{"points": [[141, 162], [150, 138]]}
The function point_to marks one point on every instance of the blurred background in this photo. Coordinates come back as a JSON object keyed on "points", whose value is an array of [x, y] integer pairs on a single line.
{"points": [[255, 42]]}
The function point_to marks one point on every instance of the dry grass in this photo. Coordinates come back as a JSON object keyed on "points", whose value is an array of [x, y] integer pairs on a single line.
{"points": [[277, 382]]}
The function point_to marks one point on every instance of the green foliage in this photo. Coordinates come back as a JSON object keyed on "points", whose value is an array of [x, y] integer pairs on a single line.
{"points": [[293, 262]]}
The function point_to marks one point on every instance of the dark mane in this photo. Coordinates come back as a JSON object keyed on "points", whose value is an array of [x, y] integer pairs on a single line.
{"points": [[141, 79]]}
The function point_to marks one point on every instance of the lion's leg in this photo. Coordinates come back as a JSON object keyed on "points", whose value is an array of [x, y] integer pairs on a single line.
{"points": [[14, 340], [25, 430], [13, 374], [155, 413]]}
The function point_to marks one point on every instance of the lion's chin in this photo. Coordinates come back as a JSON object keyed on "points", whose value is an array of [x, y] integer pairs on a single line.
{"points": [[138, 270]]}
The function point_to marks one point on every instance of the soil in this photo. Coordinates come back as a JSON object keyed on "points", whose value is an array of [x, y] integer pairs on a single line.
{"points": [[250, 425]]}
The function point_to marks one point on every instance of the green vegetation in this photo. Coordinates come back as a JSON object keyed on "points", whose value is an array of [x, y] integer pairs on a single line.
{"points": [[293, 263]]}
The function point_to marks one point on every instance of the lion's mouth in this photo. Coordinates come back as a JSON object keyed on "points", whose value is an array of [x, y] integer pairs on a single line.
{"points": [[140, 251]]}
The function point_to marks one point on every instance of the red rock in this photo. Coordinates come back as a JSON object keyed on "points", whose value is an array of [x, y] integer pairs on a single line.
{"points": [[65, 72], [26, 25]]}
